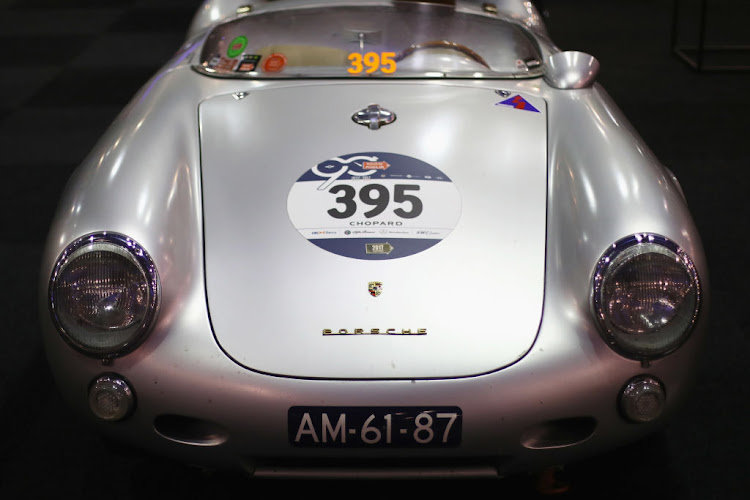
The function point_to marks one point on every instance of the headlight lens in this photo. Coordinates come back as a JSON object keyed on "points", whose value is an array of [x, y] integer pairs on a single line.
{"points": [[646, 296], [104, 294]]}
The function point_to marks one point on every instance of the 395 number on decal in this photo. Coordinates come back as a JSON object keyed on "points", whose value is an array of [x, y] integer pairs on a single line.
{"points": [[378, 197]]}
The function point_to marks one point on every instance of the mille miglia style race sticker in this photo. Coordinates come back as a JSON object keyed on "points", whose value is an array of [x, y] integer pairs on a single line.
{"points": [[236, 47], [274, 63], [374, 206], [248, 63]]}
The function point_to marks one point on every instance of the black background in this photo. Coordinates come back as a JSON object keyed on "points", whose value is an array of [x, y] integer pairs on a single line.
{"points": [[67, 68]]}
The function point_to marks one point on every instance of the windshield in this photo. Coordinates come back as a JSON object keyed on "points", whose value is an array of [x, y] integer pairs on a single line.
{"points": [[360, 42]]}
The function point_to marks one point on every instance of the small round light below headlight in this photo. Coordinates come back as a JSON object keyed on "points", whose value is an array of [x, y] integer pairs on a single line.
{"points": [[110, 398], [642, 399], [646, 296], [104, 294]]}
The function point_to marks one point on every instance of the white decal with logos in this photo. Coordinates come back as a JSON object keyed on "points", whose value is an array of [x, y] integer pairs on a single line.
{"points": [[374, 205]]}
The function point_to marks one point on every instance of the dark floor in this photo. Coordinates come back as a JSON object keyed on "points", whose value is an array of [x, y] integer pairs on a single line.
{"points": [[68, 66]]}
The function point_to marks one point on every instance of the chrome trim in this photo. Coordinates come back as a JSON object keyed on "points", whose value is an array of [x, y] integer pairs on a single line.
{"points": [[571, 70], [636, 388], [141, 258], [601, 270], [529, 73], [112, 383]]}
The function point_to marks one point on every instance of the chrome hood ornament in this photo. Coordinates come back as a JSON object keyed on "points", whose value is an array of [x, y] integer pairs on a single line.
{"points": [[374, 116]]}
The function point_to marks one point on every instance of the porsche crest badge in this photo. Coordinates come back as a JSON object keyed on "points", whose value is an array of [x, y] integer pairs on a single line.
{"points": [[375, 288]]}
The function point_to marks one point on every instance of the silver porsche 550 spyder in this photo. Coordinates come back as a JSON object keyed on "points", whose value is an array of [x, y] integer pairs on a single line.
{"points": [[374, 237]]}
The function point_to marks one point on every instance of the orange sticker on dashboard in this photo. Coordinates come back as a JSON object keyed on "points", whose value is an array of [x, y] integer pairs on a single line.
{"points": [[274, 63], [370, 62]]}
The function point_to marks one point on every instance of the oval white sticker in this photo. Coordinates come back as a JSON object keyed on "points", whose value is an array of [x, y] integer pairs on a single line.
{"points": [[374, 206]]}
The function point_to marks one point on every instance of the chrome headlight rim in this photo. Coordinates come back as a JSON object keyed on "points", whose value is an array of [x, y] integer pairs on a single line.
{"points": [[657, 244], [137, 255]]}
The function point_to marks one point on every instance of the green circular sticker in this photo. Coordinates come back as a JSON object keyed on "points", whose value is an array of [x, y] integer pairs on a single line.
{"points": [[237, 46]]}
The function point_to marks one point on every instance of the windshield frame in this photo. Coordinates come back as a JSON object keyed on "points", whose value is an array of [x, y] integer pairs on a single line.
{"points": [[228, 50]]}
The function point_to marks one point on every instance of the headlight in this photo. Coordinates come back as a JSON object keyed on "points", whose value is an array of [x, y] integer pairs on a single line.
{"points": [[646, 296], [104, 294]]}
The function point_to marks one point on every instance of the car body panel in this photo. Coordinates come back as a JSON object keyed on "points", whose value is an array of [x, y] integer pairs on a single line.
{"points": [[478, 312]]}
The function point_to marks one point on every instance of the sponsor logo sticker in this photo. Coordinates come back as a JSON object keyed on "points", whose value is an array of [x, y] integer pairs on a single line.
{"points": [[274, 63], [374, 205], [248, 63], [236, 46]]}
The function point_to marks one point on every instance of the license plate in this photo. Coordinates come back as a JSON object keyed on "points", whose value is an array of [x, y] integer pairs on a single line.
{"points": [[381, 426]]}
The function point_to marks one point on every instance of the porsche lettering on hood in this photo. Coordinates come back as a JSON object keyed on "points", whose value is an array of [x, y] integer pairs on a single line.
{"points": [[375, 331], [304, 211]]}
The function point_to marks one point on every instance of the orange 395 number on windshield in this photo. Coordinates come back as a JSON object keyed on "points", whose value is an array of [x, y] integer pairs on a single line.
{"points": [[371, 62]]}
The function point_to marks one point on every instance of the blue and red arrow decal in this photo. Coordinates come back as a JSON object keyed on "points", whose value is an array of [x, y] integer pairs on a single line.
{"points": [[518, 102]]}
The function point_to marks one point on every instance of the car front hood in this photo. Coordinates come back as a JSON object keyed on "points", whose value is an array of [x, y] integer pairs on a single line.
{"points": [[415, 250]]}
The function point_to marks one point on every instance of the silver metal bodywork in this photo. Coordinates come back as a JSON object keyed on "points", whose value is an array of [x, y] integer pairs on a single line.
{"points": [[198, 170]]}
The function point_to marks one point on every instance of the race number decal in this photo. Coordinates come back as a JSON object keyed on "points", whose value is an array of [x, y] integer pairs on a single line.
{"points": [[374, 206]]}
